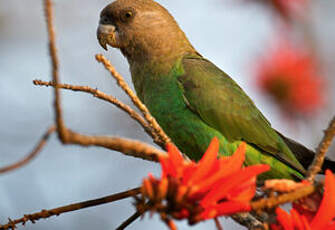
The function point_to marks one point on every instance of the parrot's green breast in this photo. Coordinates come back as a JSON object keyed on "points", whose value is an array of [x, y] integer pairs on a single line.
{"points": [[165, 96]]}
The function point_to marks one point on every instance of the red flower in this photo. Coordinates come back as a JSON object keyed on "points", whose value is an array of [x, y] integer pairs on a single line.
{"points": [[290, 76], [323, 219], [207, 189]]}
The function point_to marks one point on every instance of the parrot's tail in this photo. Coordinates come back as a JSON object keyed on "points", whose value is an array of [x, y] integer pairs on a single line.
{"points": [[305, 156]]}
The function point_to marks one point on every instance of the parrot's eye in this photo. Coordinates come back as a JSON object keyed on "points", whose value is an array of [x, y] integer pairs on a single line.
{"points": [[127, 15]]}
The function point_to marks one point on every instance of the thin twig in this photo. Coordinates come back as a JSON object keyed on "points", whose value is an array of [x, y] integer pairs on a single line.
{"points": [[248, 220], [61, 129], [103, 96], [130, 220], [121, 82], [69, 208], [128, 147], [32, 154], [321, 151], [272, 202], [217, 224]]}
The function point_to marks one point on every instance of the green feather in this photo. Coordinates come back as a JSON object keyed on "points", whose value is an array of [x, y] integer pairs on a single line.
{"points": [[222, 104], [196, 101]]}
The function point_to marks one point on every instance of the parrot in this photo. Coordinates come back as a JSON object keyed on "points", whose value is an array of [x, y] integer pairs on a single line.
{"points": [[191, 98]]}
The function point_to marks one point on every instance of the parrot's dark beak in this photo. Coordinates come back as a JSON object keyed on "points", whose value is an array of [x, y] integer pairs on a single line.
{"points": [[102, 39], [106, 35]]}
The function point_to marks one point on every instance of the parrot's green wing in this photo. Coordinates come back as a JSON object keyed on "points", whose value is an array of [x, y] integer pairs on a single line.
{"points": [[223, 105]]}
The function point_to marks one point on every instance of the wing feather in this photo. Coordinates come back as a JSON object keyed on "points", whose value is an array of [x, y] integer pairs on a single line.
{"points": [[223, 105]]}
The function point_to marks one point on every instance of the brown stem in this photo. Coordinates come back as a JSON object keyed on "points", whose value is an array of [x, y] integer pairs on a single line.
{"points": [[272, 202], [321, 151], [61, 129], [69, 208], [137, 102], [130, 220], [103, 96], [128, 147], [249, 221], [217, 224], [32, 154]]}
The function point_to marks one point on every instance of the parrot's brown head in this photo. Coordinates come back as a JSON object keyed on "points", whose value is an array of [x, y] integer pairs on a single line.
{"points": [[142, 30]]}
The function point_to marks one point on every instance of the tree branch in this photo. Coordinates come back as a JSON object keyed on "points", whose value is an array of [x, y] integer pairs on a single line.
{"points": [[103, 96], [69, 208], [61, 129], [130, 220], [127, 147], [32, 154], [248, 220], [321, 151], [217, 224], [297, 194], [137, 102]]}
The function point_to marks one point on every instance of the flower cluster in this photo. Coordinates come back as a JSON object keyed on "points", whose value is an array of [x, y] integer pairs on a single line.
{"points": [[204, 190], [290, 76], [322, 219]]}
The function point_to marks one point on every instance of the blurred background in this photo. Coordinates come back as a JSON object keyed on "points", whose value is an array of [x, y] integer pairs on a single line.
{"points": [[246, 38]]}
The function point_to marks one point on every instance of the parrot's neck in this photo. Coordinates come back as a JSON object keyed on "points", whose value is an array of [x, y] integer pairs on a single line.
{"points": [[158, 48], [149, 75], [158, 62], [154, 67]]}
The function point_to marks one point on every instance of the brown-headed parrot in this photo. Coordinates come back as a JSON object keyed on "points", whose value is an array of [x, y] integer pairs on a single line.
{"points": [[191, 98]]}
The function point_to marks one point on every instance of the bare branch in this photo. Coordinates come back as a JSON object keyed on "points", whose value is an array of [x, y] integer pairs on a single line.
{"points": [[130, 220], [272, 202], [217, 224], [61, 129], [321, 151], [32, 154], [128, 147], [103, 96], [248, 220], [69, 208], [121, 82]]}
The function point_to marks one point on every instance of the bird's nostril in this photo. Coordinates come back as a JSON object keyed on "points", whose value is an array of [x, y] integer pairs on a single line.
{"points": [[104, 20]]}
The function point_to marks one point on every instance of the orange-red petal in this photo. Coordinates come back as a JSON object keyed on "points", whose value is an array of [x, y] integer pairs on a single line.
{"points": [[147, 188], [224, 186], [235, 161], [326, 211], [225, 208], [284, 219], [297, 220], [223, 167], [245, 192], [207, 162], [166, 166], [176, 161]]}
